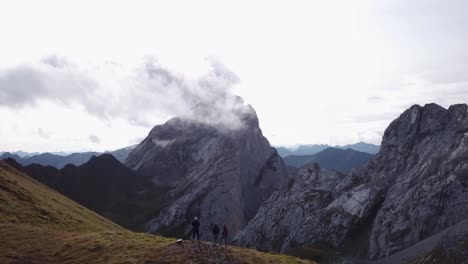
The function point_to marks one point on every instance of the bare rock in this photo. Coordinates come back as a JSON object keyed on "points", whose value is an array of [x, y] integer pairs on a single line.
{"points": [[218, 174], [415, 187]]}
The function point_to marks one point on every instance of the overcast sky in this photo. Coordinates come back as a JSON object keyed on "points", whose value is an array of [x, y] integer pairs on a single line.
{"points": [[98, 75]]}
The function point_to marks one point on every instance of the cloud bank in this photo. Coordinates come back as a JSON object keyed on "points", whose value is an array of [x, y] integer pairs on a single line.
{"points": [[138, 94]]}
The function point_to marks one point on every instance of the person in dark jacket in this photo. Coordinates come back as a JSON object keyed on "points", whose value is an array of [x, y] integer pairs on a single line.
{"points": [[195, 229], [224, 236], [215, 230]]}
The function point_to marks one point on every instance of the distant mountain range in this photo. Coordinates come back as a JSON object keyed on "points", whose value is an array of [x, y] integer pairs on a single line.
{"points": [[58, 160], [315, 148], [24, 154], [342, 160]]}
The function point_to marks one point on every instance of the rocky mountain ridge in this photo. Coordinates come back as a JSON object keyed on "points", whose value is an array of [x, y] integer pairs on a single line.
{"points": [[60, 161], [415, 187], [311, 149]]}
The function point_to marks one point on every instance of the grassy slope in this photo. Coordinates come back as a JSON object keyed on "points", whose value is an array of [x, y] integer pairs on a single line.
{"points": [[39, 225], [26, 201]]}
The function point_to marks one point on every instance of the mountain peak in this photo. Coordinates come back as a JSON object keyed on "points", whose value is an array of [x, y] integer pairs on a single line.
{"points": [[215, 163], [106, 157], [105, 160], [412, 190], [418, 122]]}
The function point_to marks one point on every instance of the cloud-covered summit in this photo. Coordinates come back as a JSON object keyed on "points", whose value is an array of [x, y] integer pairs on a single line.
{"points": [[110, 90]]}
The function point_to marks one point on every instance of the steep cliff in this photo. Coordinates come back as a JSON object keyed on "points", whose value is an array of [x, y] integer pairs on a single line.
{"points": [[415, 187], [285, 211], [217, 173]]}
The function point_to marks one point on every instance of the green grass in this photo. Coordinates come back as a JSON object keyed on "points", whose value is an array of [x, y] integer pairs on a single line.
{"points": [[39, 225]]}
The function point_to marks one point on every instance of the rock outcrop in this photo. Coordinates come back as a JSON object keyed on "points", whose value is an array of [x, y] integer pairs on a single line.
{"points": [[427, 184], [285, 211], [416, 186], [221, 175]]}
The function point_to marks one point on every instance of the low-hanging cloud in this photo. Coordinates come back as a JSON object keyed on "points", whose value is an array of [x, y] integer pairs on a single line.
{"points": [[95, 139], [43, 133], [137, 94]]}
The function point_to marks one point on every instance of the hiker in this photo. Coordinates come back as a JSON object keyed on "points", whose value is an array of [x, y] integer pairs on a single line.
{"points": [[195, 228], [215, 232], [224, 235]]}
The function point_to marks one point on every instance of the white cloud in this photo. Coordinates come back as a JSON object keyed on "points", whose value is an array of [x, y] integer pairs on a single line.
{"points": [[163, 142], [94, 139], [141, 96], [110, 90], [316, 71]]}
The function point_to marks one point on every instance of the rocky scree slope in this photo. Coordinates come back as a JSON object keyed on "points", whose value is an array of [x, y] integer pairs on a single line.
{"points": [[416, 186], [219, 174]]}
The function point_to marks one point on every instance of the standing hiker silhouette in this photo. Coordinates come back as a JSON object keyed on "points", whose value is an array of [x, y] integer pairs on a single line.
{"points": [[224, 236], [195, 229], [215, 231]]}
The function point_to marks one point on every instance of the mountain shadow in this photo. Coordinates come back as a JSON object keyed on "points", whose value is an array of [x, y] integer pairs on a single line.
{"points": [[104, 185]]}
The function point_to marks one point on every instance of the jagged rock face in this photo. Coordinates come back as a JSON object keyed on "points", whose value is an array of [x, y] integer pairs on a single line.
{"points": [[220, 175], [430, 191], [287, 209], [414, 187]]}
